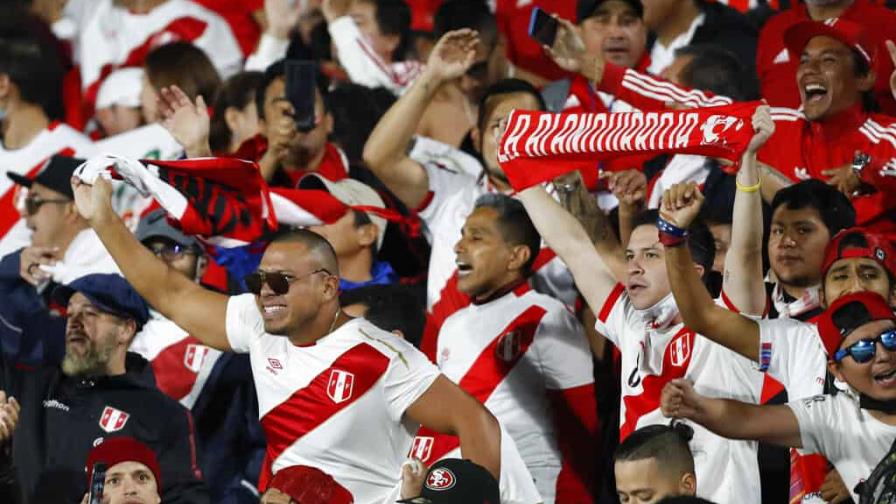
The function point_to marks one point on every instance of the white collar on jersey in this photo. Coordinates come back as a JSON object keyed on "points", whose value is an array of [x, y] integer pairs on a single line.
{"points": [[660, 315], [810, 300]]}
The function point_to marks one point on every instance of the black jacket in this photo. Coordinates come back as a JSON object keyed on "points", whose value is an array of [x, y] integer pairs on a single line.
{"points": [[62, 418]]}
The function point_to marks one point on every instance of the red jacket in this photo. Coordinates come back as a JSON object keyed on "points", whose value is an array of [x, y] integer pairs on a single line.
{"points": [[777, 69]]}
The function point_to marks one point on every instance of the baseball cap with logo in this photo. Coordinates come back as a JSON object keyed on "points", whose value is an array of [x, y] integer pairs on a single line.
{"points": [[858, 242], [55, 174], [847, 314], [853, 35], [456, 481], [352, 193]]}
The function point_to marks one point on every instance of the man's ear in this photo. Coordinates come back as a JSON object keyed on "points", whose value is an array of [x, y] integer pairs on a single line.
{"points": [[688, 484], [201, 266], [866, 82], [700, 269], [519, 256], [368, 234], [230, 115], [834, 369], [328, 123], [127, 333]]}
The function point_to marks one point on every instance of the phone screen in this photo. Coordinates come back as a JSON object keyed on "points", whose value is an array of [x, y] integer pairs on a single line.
{"points": [[97, 483], [301, 86], [542, 27]]}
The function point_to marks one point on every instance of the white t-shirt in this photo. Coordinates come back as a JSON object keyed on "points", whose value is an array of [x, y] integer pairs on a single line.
{"points": [[662, 56], [848, 436], [337, 404], [508, 353], [792, 352], [58, 138], [180, 362], [727, 470]]}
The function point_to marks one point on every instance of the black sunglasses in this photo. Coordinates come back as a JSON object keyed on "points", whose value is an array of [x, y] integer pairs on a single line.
{"points": [[278, 282], [33, 203], [863, 351]]}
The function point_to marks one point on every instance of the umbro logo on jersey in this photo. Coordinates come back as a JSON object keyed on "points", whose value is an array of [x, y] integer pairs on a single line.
{"points": [[194, 356], [440, 480], [274, 366], [113, 419], [509, 346], [680, 350], [422, 447], [339, 388]]}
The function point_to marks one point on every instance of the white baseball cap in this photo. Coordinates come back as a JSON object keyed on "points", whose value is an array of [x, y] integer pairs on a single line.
{"points": [[121, 87], [353, 193]]}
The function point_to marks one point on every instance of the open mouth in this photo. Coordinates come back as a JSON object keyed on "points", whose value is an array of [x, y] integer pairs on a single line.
{"points": [[463, 269], [814, 92], [887, 379]]}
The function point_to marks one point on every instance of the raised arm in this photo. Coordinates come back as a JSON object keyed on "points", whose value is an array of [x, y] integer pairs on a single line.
{"points": [[681, 204], [732, 419], [742, 279], [386, 150], [566, 236], [198, 311], [446, 408]]}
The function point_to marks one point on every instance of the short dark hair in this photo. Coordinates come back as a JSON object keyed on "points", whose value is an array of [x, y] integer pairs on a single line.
{"points": [[835, 209], [35, 70], [515, 225], [185, 65], [390, 307], [238, 91], [473, 14], [487, 103], [668, 444], [715, 69], [701, 244], [356, 110], [277, 70], [314, 242], [394, 18], [861, 68]]}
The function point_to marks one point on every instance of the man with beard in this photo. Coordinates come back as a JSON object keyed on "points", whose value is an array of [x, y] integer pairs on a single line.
{"points": [[98, 390], [291, 153]]}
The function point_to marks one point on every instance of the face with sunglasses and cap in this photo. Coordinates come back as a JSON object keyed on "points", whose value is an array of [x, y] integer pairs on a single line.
{"points": [[183, 253]]}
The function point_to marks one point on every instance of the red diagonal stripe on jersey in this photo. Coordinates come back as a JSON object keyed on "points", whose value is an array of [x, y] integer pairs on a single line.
{"points": [[173, 377], [311, 406], [8, 213], [652, 385]]}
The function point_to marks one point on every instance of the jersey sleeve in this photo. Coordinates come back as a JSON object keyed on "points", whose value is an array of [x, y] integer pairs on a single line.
{"points": [[243, 322], [563, 352], [409, 375], [646, 92], [791, 351], [362, 63], [611, 319], [445, 180], [815, 417]]}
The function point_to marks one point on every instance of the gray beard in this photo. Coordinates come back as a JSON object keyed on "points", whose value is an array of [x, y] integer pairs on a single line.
{"points": [[91, 363]]}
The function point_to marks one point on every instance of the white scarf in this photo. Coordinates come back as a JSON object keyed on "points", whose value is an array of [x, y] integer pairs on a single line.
{"points": [[660, 315], [810, 300]]}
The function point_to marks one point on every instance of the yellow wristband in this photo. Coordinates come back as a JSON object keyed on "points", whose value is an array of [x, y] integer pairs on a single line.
{"points": [[747, 189]]}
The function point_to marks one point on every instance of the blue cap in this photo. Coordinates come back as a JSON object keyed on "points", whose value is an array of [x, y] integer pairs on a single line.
{"points": [[109, 292]]}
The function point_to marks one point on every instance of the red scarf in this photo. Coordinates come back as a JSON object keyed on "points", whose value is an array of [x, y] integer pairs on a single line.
{"points": [[567, 140]]}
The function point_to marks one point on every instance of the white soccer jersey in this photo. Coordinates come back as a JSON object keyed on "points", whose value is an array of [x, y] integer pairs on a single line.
{"points": [[727, 470], [452, 196], [848, 436], [508, 353], [792, 352], [337, 404], [58, 138], [115, 37], [180, 362]]}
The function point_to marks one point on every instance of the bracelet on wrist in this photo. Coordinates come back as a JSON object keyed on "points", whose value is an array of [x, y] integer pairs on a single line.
{"points": [[747, 188], [667, 227]]}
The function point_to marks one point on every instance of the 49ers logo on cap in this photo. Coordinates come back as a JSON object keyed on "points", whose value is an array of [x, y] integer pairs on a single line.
{"points": [[193, 357], [339, 388], [113, 419], [680, 349], [422, 447], [440, 479], [509, 346]]}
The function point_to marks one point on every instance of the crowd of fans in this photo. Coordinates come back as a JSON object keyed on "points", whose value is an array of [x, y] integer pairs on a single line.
{"points": [[207, 298]]}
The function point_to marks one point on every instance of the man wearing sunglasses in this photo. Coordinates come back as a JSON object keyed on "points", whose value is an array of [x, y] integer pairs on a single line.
{"points": [[62, 248], [333, 391], [853, 429]]}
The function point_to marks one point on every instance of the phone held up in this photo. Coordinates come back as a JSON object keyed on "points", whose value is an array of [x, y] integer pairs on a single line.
{"points": [[97, 483], [543, 27], [301, 86]]}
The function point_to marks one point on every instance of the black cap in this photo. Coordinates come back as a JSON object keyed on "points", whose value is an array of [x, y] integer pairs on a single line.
{"points": [[456, 481], [109, 292], [585, 8], [55, 174]]}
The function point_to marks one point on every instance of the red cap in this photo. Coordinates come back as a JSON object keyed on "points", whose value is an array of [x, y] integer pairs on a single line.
{"points": [[309, 485], [847, 314], [123, 449], [878, 249], [852, 34]]}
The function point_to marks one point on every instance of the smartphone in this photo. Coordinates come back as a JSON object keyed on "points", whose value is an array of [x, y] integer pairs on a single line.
{"points": [[543, 27], [97, 483], [301, 86]]}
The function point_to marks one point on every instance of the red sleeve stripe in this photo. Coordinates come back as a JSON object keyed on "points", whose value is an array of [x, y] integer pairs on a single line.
{"points": [[610, 302]]}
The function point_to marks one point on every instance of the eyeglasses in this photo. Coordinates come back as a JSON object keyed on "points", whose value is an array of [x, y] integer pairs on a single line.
{"points": [[33, 203], [170, 251], [863, 351], [278, 282]]}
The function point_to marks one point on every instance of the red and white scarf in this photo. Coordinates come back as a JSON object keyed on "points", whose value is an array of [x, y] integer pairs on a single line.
{"points": [[538, 146]]}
